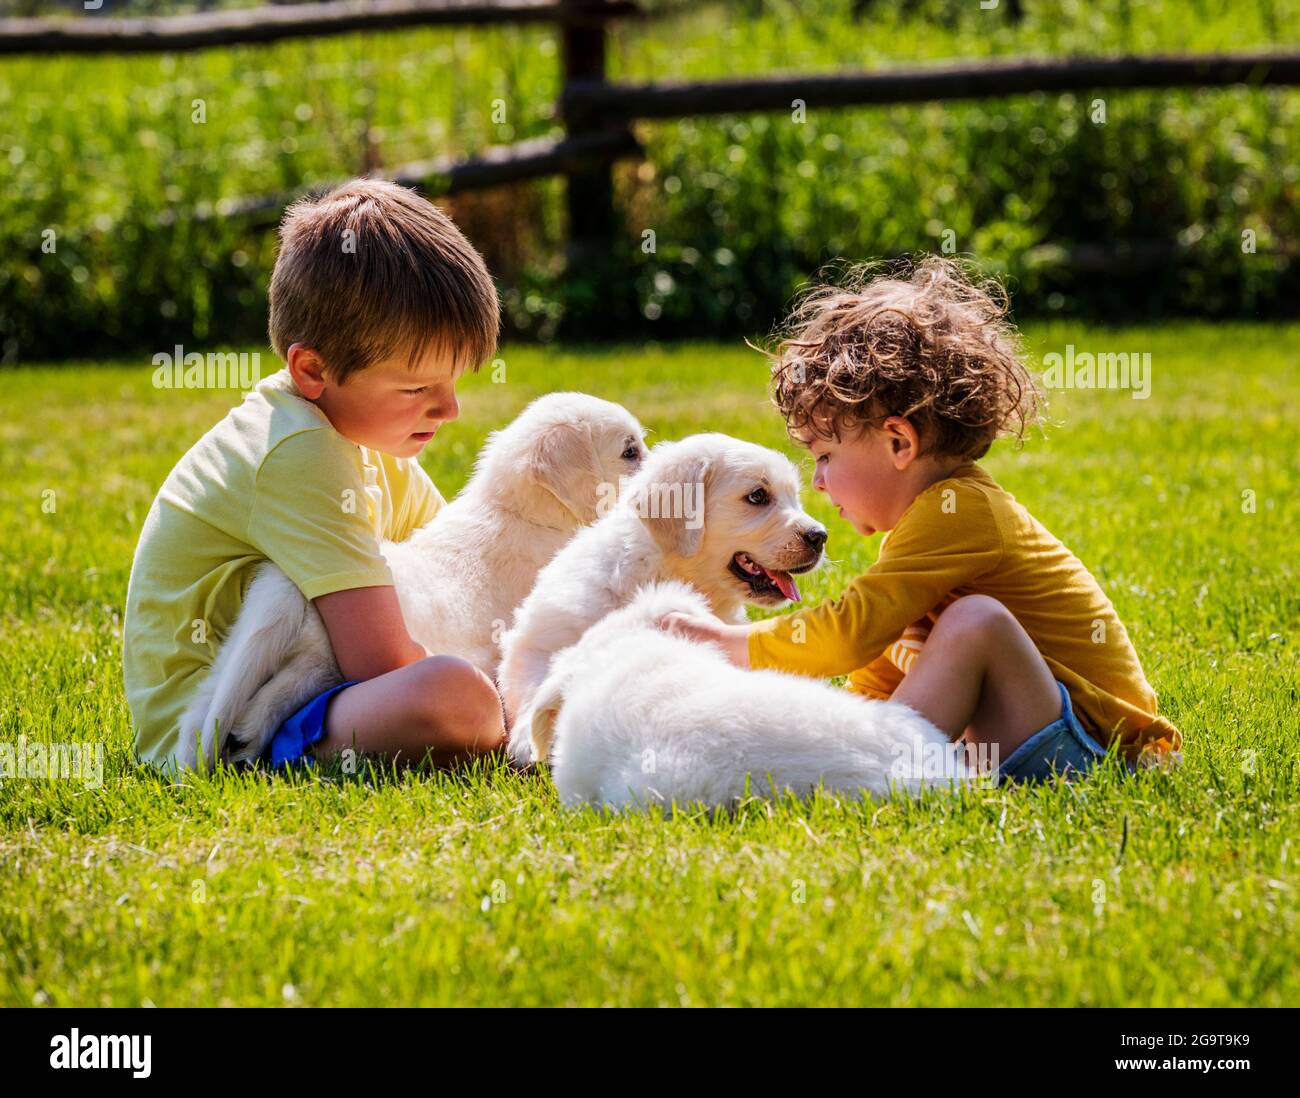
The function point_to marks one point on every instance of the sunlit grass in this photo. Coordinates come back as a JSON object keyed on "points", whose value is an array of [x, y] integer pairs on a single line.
{"points": [[476, 887]]}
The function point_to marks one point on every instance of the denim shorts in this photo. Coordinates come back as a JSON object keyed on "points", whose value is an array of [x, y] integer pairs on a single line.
{"points": [[1062, 747], [293, 740]]}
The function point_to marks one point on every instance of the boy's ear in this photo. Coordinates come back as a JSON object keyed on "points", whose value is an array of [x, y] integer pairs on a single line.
{"points": [[904, 442], [307, 369]]}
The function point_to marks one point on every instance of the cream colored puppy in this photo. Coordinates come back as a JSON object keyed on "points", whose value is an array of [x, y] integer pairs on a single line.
{"points": [[631, 716], [717, 513], [458, 579]]}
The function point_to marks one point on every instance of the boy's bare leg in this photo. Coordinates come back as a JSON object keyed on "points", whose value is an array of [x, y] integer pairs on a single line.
{"points": [[979, 675], [441, 706]]}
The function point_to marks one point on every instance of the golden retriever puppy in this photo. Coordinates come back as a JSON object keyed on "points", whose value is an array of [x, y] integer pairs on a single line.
{"points": [[632, 716], [712, 511]]}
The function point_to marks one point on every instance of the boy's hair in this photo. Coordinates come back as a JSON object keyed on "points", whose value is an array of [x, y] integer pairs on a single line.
{"points": [[369, 269], [925, 341]]}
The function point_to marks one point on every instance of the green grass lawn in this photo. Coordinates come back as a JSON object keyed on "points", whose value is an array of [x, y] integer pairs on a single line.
{"points": [[477, 888]]}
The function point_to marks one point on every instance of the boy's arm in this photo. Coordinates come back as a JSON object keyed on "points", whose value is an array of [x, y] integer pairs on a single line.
{"points": [[941, 544], [732, 639], [310, 516], [367, 632]]}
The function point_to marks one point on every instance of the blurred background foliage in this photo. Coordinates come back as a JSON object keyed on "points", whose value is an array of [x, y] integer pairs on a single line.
{"points": [[1142, 216]]}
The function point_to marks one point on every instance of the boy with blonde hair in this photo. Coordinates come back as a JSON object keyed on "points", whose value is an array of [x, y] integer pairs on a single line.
{"points": [[378, 305], [973, 614]]}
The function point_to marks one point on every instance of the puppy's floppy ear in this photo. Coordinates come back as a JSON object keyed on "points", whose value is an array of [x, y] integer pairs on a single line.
{"points": [[546, 708], [670, 499], [563, 461]]}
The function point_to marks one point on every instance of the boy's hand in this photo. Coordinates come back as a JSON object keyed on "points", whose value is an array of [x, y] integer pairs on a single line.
{"points": [[732, 639]]}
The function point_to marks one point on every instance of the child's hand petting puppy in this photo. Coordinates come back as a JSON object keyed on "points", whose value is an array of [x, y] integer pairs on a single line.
{"points": [[732, 639]]}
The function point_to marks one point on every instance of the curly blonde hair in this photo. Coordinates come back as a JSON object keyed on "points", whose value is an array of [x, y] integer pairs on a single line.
{"points": [[925, 340]]}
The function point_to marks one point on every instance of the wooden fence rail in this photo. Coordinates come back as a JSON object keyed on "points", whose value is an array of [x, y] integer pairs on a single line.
{"points": [[259, 26], [532, 159], [581, 98]]}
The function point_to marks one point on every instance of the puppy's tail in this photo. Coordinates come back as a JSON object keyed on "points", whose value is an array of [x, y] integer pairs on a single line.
{"points": [[270, 623]]}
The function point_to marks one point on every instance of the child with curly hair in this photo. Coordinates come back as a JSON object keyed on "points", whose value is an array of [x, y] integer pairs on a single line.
{"points": [[974, 614]]}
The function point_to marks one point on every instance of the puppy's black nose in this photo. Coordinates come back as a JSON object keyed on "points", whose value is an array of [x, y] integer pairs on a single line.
{"points": [[815, 539]]}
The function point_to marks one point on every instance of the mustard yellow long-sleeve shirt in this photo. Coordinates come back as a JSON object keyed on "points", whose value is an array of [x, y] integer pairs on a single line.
{"points": [[965, 535]]}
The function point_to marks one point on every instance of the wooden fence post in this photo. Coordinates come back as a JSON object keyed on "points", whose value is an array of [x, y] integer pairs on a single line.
{"points": [[589, 198]]}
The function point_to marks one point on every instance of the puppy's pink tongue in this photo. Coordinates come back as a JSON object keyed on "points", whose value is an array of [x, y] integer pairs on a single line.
{"points": [[785, 581]]}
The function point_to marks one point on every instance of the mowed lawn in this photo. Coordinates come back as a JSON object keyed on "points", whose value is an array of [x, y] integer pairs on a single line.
{"points": [[477, 888]]}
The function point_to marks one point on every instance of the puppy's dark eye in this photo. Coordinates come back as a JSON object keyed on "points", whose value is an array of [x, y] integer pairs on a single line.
{"points": [[758, 496], [632, 453]]}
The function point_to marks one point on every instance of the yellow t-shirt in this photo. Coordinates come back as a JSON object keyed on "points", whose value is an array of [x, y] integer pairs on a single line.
{"points": [[965, 536], [272, 481]]}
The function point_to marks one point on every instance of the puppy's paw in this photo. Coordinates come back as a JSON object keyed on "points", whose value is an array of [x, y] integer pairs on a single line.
{"points": [[519, 746]]}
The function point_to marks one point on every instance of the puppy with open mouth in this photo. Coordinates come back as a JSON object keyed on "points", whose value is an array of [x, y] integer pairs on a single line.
{"points": [[709, 510], [767, 585]]}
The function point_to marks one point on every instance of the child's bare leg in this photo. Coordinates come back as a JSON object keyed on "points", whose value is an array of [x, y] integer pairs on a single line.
{"points": [[441, 706], [980, 674]]}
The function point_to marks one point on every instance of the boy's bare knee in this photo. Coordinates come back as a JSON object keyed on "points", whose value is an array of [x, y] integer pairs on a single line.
{"points": [[460, 703], [975, 616]]}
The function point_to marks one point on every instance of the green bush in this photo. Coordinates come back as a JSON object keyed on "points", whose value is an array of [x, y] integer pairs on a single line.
{"points": [[1143, 215]]}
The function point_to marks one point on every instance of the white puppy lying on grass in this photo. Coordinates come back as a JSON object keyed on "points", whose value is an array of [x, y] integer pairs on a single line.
{"points": [[631, 715]]}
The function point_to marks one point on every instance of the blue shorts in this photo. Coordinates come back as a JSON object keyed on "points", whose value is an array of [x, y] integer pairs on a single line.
{"points": [[1063, 746], [293, 739]]}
